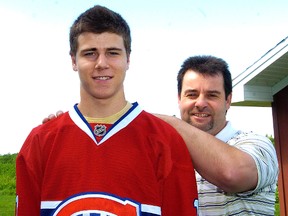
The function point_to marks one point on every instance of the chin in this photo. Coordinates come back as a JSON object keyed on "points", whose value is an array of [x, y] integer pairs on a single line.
{"points": [[204, 127]]}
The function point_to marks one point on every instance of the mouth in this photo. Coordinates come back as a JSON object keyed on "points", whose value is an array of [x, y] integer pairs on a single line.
{"points": [[102, 78], [201, 115]]}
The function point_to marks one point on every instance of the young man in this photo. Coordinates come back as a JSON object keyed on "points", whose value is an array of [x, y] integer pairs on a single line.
{"points": [[237, 171], [105, 156]]}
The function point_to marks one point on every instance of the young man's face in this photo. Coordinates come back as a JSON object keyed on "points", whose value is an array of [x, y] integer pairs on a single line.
{"points": [[202, 102], [101, 61]]}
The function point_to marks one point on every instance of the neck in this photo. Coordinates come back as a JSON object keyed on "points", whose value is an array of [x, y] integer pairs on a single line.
{"points": [[101, 108]]}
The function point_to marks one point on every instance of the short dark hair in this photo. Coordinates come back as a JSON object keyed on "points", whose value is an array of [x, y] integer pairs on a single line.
{"points": [[99, 19], [206, 65]]}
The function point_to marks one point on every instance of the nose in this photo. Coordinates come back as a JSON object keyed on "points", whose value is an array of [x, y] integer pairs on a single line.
{"points": [[101, 62], [201, 102]]}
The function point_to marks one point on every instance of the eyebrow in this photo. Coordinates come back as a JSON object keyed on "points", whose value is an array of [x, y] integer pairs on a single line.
{"points": [[214, 92], [209, 91], [95, 49], [115, 48]]}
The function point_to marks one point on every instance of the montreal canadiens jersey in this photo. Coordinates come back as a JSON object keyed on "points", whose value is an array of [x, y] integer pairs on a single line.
{"points": [[141, 166]]}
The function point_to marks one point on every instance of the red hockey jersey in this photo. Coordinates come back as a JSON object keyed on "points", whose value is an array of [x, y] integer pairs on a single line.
{"points": [[140, 167]]}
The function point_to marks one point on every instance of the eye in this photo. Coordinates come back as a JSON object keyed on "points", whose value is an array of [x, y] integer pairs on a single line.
{"points": [[191, 95], [90, 53], [213, 95], [113, 53]]}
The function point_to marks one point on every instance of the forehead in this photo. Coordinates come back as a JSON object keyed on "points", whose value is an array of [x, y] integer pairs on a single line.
{"points": [[105, 39], [195, 80]]}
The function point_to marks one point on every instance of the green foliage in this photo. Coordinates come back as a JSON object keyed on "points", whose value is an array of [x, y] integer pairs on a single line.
{"points": [[277, 207], [7, 174], [271, 139], [7, 184]]}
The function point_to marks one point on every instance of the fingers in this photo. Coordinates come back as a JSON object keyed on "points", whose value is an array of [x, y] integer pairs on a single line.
{"points": [[58, 113], [45, 120], [52, 116]]}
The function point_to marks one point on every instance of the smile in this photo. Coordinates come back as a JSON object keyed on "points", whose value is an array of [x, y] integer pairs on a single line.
{"points": [[102, 78], [201, 115]]}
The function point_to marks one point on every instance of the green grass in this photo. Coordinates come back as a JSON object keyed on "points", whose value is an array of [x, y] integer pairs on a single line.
{"points": [[7, 205]]}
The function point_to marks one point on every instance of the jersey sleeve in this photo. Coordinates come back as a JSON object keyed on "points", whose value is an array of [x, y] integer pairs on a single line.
{"points": [[180, 196], [28, 175]]}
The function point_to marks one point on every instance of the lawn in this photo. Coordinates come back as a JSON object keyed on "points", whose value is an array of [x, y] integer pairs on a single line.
{"points": [[7, 205]]}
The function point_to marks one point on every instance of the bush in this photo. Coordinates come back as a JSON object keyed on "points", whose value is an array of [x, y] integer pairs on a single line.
{"points": [[7, 174]]}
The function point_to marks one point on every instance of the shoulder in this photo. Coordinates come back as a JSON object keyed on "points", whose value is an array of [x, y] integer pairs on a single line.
{"points": [[43, 135], [54, 123], [242, 136], [254, 144], [156, 122], [162, 132], [48, 128]]}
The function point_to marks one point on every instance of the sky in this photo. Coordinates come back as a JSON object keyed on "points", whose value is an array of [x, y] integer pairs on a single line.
{"points": [[37, 77]]}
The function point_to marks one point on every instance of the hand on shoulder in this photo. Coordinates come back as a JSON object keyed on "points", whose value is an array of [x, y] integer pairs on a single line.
{"points": [[52, 116]]}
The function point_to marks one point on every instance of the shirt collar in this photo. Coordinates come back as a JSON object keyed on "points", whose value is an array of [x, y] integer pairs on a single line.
{"points": [[226, 133]]}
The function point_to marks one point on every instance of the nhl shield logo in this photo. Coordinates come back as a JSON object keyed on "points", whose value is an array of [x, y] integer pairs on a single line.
{"points": [[100, 130]]}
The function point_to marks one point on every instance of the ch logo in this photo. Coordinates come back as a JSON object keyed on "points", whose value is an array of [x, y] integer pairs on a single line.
{"points": [[94, 204]]}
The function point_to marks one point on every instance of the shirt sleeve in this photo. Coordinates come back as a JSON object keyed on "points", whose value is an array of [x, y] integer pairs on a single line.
{"points": [[262, 151]]}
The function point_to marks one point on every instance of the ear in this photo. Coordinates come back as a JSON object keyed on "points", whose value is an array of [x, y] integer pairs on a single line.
{"points": [[74, 63], [228, 101], [128, 62], [179, 100]]}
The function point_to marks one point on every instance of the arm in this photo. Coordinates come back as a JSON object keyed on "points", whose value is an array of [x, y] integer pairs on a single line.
{"points": [[225, 166]]}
